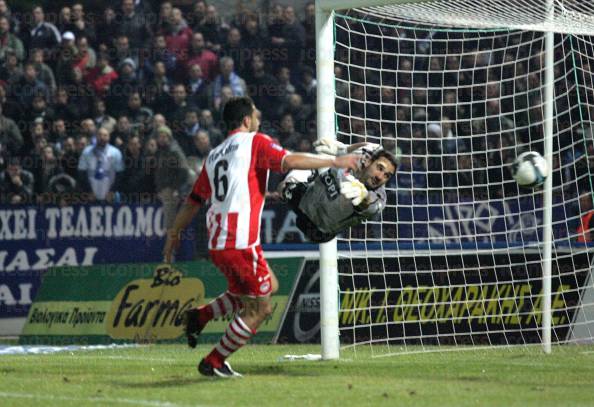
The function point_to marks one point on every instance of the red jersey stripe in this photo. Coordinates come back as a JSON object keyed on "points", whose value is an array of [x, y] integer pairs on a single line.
{"points": [[231, 230], [218, 226]]}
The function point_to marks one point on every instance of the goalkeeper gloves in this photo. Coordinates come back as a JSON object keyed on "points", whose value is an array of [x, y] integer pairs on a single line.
{"points": [[329, 146], [352, 189]]}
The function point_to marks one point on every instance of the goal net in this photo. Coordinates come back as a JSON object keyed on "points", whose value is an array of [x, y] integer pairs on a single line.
{"points": [[457, 89]]}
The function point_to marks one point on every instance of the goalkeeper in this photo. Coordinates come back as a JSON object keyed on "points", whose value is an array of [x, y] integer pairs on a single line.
{"points": [[329, 201]]}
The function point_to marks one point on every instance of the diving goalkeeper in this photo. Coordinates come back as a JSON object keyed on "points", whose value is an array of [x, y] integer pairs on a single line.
{"points": [[331, 200]]}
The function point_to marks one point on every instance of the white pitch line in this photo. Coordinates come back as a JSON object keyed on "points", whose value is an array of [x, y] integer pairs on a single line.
{"points": [[136, 402]]}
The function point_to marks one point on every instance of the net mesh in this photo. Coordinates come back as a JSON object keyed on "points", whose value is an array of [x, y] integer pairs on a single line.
{"points": [[563, 16], [456, 256]]}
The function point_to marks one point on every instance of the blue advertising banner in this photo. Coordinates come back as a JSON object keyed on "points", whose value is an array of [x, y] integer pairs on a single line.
{"points": [[448, 219], [35, 238], [438, 221]]}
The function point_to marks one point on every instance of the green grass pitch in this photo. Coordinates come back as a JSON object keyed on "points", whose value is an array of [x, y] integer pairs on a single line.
{"points": [[165, 375]]}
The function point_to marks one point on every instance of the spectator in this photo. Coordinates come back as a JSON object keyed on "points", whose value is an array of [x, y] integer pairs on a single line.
{"points": [[40, 109], [134, 26], [185, 134], [64, 21], [207, 123], [178, 36], [197, 15], [107, 29], [158, 122], [164, 15], [16, 184], [171, 174], [207, 59], [69, 157], [38, 138], [27, 87], [156, 91], [80, 93], [79, 26], [197, 87], [275, 21], [136, 176], [304, 146], [309, 28], [252, 40], [101, 76], [81, 143], [177, 110], [14, 22], [200, 149], [86, 58], [67, 56], [143, 7], [137, 114], [11, 70], [123, 132], [101, 118], [9, 41], [213, 28], [226, 94], [287, 135], [63, 109], [307, 87], [120, 89], [59, 133], [88, 130], [123, 52], [44, 35], [162, 54], [11, 139], [99, 166], [289, 42], [263, 88], [44, 72], [304, 115], [229, 78], [283, 78], [202, 146], [47, 168], [234, 50]]}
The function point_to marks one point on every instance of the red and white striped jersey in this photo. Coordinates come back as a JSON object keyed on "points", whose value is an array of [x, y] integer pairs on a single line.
{"points": [[234, 178]]}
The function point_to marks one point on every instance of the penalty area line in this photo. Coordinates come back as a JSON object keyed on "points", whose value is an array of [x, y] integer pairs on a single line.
{"points": [[102, 400]]}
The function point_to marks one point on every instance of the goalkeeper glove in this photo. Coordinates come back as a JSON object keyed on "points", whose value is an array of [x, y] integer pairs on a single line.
{"points": [[352, 189], [329, 146]]}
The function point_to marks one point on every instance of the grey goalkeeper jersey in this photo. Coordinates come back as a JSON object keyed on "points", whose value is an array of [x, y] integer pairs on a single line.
{"points": [[328, 209]]}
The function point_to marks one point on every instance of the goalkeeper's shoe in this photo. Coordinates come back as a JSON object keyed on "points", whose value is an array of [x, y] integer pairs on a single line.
{"points": [[192, 326], [225, 371]]}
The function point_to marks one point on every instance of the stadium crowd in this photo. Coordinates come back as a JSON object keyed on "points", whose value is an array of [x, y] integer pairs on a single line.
{"points": [[125, 104]]}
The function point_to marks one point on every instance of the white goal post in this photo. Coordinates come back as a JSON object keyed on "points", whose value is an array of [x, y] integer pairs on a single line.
{"points": [[544, 16]]}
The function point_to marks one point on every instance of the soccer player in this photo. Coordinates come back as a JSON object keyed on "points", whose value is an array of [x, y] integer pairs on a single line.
{"points": [[332, 200], [234, 178]]}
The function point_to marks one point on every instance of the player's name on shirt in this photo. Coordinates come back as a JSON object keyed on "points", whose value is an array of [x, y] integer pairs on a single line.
{"points": [[228, 150]]}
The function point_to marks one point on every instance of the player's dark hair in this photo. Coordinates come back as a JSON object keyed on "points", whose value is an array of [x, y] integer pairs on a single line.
{"points": [[235, 110], [385, 154]]}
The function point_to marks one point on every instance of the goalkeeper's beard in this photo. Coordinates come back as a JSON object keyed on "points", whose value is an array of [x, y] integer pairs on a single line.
{"points": [[366, 179]]}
